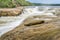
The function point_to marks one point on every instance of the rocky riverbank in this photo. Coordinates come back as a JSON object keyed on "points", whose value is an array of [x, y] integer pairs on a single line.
{"points": [[38, 30], [36, 26]]}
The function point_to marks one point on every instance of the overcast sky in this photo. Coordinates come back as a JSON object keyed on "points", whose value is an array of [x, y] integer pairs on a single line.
{"points": [[46, 1]]}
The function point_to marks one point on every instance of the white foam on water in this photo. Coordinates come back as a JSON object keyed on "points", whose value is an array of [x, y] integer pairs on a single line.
{"points": [[13, 22], [10, 26]]}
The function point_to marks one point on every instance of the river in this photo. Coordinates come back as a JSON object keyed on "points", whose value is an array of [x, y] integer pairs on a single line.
{"points": [[8, 23]]}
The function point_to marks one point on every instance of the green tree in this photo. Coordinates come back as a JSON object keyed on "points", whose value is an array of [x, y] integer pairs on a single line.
{"points": [[13, 3]]}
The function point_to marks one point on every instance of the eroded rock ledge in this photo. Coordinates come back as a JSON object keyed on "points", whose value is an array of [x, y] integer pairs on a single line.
{"points": [[10, 11], [36, 30]]}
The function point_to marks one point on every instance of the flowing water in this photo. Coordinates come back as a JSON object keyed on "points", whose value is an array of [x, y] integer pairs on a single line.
{"points": [[9, 23]]}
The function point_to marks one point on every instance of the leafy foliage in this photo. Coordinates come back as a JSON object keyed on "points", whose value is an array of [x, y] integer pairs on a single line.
{"points": [[13, 3]]}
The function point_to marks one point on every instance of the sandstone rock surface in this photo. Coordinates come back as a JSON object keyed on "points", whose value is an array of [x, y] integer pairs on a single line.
{"points": [[10, 11], [37, 31]]}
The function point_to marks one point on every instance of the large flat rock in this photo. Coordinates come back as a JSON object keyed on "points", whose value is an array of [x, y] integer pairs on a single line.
{"points": [[32, 29], [10, 11]]}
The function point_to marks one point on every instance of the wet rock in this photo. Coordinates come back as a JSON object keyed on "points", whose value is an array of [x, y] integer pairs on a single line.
{"points": [[10, 11], [43, 31]]}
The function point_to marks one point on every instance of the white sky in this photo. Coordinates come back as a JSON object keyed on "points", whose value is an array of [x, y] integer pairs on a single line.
{"points": [[46, 1]]}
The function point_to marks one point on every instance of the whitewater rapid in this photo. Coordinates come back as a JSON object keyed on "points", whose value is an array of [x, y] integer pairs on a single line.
{"points": [[13, 22]]}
